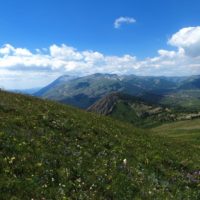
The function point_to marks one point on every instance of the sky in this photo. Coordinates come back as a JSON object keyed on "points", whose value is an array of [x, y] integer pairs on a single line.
{"points": [[43, 39]]}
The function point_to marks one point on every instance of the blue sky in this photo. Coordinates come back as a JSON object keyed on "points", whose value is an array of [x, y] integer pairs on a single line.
{"points": [[88, 25]]}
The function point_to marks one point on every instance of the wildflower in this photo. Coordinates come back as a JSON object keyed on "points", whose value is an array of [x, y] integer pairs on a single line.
{"points": [[79, 180], [11, 160], [125, 162], [39, 164]]}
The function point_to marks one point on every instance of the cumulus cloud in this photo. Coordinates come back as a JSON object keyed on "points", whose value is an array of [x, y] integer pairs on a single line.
{"points": [[7, 49], [20, 67], [123, 20], [64, 52], [188, 39]]}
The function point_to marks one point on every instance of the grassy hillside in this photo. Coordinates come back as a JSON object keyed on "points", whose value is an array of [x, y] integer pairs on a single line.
{"points": [[52, 151], [187, 131]]}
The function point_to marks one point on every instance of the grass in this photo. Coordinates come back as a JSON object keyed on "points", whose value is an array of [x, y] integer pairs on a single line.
{"points": [[183, 131], [53, 151]]}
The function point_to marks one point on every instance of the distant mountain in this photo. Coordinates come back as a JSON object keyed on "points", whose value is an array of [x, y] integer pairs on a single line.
{"points": [[84, 91], [30, 91], [53, 85], [192, 82], [186, 96]]}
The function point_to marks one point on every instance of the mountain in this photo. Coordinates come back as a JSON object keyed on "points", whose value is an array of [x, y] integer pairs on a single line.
{"points": [[137, 111], [106, 104], [84, 91], [53, 151], [170, 92], [54, 84]]}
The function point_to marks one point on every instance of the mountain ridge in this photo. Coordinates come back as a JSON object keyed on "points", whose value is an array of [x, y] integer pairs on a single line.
{"points": [[94, 87], [83, 92]]}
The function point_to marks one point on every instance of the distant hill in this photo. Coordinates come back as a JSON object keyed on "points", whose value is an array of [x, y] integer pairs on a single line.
{"points": [[137, 111], [53, 151], [30, 91]]}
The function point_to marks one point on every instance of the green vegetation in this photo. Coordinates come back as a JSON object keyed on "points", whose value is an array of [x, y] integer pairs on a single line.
{"points": [[52, 151], [138, 112], [183, 100], [123, 112], [186, 131]]}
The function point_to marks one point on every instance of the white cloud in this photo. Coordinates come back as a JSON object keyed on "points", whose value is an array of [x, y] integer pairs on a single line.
{"points": [[123, 20], [21, 68], [188, 39], [64, 52], [8, 49]]}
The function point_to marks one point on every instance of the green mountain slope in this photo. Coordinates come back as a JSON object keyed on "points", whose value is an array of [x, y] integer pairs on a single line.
{"points": [[137, 111], [52, 151]]}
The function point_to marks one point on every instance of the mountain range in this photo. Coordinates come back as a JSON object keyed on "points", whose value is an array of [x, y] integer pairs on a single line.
{"points": [[84, 91]]}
